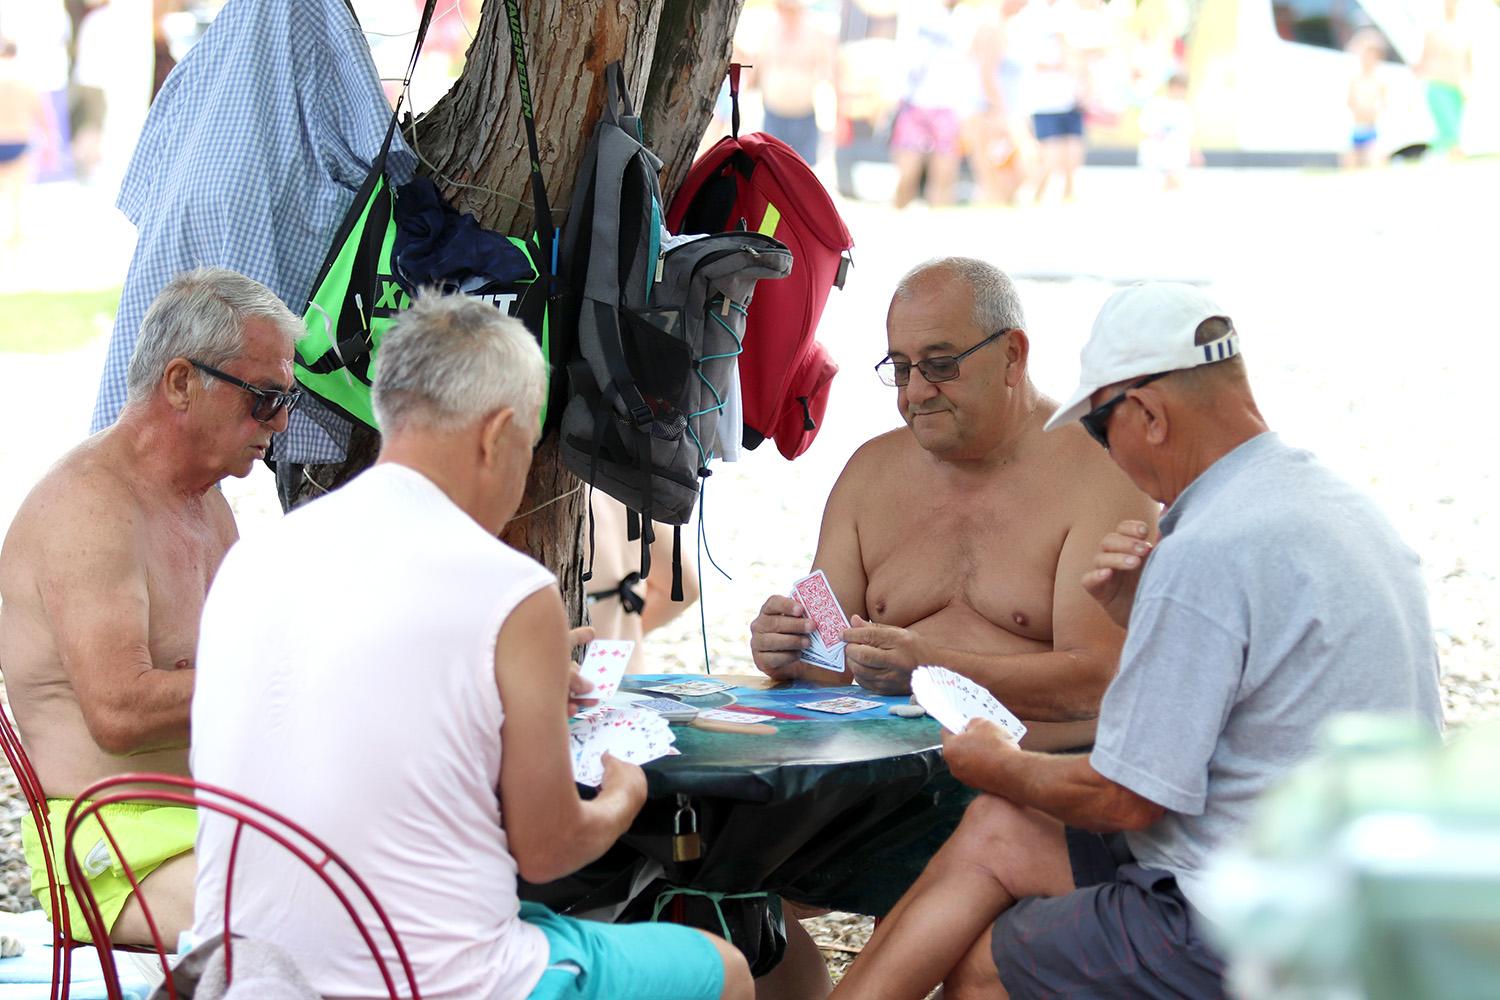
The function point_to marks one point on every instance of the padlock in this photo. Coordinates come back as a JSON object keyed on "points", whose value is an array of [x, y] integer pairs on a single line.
{"points": [[686, 845]]}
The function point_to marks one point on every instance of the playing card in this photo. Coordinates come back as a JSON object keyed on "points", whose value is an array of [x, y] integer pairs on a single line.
{"points": [[672, 711], [631, 734], [839, 706], [604, 663], [688, 689], [742, 718], [819, 656], [816, 598], [953, 700]]}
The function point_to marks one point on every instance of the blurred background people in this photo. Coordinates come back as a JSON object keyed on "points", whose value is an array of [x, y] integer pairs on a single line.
{"points": [[791, 63], [1155, 30], [1367, 97], [1099, 38], [119, 46], [998, 139], [23, 119], [88, 101], [942, 90], [1054, 90], [1166, 149], [41, 32], [1447, 63]]}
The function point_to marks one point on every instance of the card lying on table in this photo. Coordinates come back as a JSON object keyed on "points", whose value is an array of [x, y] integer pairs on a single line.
{"points": [[688, 689], [738, 718], [952, 699], [839, 706], [604, 663], [828, 618], [667, 708], [634, 735]]}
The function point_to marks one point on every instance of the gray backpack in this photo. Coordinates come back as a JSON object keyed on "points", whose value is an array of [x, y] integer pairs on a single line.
{"points": [[660, 320]]}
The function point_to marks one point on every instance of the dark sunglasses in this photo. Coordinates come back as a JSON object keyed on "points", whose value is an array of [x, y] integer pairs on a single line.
{"points": [[1096, 421], [268, 402], [939, 369]]}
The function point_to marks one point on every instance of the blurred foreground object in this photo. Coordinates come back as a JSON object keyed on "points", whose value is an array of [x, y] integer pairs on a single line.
{"points": [[1373, 872]]}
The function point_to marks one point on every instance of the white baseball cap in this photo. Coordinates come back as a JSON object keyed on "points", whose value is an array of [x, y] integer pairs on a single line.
{"points": [[1142, 330]]}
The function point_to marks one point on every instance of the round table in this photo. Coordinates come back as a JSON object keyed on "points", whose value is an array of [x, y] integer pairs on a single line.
{"points": [[836, 811]]}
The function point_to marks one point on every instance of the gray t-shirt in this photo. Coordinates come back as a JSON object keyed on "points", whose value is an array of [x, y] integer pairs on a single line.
{"points": [[1278, 596]]}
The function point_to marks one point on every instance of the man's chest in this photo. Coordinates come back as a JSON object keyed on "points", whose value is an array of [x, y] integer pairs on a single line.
{"points": [[930, 556], [181, 559]]}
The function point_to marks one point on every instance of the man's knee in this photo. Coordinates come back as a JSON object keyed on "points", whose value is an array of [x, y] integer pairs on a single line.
{"points": [[1023, 849], [738, 984], [990, 823]]}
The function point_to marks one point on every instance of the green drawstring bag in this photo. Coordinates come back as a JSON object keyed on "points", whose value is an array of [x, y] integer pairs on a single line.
{"points": [[357, 296]]}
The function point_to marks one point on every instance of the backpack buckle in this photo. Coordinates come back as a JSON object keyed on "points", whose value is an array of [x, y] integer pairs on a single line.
{"points": [[641, 415]]}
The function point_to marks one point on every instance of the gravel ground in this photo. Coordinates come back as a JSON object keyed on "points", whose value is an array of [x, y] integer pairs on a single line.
{"points": [[1370, 336]]}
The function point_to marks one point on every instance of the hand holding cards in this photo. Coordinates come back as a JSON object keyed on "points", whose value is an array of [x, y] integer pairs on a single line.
{"points": [[632, 734], [953, 700], [604, 663], [828, 618]]}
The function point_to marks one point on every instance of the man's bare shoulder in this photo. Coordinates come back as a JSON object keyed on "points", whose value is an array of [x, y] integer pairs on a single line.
{"points": [[882, 455], [84, 500], [1088, 479]]}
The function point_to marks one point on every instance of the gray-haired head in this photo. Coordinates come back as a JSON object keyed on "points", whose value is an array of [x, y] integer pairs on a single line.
{"points": [[450, 360], [996, 304], [201, 315]]}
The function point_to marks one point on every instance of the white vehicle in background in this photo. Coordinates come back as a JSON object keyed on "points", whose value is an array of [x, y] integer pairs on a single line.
{"points": [[1269, 79]]}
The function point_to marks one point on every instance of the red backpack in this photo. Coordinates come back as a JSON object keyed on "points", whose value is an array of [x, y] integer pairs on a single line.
{"points": [[785, 374]]}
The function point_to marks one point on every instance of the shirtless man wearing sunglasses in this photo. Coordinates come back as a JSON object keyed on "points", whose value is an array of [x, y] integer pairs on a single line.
{"points": [[105, 568]]}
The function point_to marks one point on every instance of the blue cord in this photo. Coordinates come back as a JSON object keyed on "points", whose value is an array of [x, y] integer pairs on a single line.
{"points": [[705, 458]]}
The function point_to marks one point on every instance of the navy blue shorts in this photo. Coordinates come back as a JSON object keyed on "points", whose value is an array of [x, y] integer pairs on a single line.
{"points": [[798, 131], [1059, 125], [1125, 932]]}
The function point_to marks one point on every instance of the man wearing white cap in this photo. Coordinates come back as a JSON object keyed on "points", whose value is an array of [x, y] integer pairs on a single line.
{"points": [[1276, 597]]}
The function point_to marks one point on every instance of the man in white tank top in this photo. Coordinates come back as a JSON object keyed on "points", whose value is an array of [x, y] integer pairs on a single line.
{"points": [[408, 704]]}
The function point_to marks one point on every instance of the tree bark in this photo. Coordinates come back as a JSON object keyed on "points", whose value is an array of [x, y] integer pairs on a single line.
{"points": [[473, 145]]}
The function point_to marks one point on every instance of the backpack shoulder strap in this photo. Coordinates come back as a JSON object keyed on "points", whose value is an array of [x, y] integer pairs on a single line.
{"points": [[614, 150]]}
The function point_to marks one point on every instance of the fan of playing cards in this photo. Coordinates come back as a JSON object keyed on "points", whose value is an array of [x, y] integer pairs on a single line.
{"points": [[634, 735], [822, 607], [953, 700]]}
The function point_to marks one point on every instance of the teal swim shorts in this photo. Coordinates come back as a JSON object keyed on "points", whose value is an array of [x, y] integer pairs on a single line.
{"points": [[595, 961]]}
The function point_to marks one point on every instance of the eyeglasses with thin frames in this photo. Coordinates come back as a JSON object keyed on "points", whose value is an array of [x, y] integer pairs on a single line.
{"points": [[268, 402], [943, 368], [1096, 421]]}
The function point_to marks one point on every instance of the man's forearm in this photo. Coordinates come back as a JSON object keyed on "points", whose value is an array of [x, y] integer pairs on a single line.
{"points": [[151, 713], [604, 818], [1042, 687], [1067, 788]]}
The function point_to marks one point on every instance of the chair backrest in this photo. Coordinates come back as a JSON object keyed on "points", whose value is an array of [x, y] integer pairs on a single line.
{"points": [[36, 801], [169, 789]]}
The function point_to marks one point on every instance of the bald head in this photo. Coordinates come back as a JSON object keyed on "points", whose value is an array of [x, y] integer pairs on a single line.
{"points": [[996, 306]]}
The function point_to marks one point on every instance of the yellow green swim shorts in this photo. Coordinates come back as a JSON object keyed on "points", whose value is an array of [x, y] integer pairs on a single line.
{"points": [[147, 834]]}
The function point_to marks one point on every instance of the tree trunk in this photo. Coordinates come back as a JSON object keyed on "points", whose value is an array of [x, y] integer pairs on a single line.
{"points": [[473, 144]]}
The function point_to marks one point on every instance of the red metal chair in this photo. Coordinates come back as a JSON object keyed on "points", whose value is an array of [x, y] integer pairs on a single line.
{"points": [[174, 790], [36, 801]]}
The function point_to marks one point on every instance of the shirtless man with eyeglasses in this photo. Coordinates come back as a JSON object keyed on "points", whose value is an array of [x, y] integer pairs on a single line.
{"points": [[960, 539], [105, 568]]}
